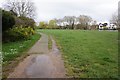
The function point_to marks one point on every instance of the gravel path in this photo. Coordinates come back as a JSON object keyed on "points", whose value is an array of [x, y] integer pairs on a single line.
{"points": [[49, 64]]}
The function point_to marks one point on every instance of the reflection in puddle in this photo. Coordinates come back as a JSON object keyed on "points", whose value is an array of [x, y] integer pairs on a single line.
{"points": [[41, 67]]}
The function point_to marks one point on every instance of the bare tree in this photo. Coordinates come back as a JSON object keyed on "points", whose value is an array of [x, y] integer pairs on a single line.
{"points": [[73, 22], [94, 25], [94, 22], [62, 23], [114, 19], [22, 8], [70, 20], [59, 22], [84, 21]]}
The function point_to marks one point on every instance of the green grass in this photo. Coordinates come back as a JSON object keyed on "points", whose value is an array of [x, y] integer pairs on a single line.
{"points": [[49, 43], [13, 50], [88, 54]]}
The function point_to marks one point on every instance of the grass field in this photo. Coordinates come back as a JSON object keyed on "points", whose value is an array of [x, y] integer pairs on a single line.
{"points": [[88, 54]]}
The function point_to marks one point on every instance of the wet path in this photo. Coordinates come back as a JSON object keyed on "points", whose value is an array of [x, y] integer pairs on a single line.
{"points": [[41, 46], [46, 65]]}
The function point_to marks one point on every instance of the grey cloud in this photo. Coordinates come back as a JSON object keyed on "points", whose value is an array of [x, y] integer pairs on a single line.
{"points": [[100, 10]]}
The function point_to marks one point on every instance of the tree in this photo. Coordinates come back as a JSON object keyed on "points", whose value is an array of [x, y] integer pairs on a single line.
{"points": [[94, 22], [52, 24], [70, 20], [42, 25], [84, 20], [60, 23], [21, 8], [8, 20], [114, 19], [94, 25]]}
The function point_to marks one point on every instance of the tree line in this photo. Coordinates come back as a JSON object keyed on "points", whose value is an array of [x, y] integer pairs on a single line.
{"points": [[70, 22]]}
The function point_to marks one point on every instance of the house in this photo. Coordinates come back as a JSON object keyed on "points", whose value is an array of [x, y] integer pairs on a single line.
{"points": [[102, 26], [112, 27], [106, 26]]}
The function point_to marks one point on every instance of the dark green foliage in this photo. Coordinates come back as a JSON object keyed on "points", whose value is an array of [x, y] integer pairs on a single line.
{"points": [[7, 20], [0, 22], [18, 33], [16, 28], [26, 22]]}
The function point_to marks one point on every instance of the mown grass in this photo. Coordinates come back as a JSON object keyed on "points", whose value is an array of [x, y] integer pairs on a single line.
{"points": [[14, 52], [88, 54]]}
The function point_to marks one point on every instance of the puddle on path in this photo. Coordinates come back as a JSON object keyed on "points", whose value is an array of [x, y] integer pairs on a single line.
{"points": [[47, 65], [41, 67]]}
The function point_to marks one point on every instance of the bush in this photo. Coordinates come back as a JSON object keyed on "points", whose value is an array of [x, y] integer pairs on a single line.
{"points": [[25, 22], [7, 20], [16, 28], [19, 33]]}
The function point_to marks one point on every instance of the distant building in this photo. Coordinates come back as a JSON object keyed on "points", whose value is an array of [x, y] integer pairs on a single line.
{"points": [[100, 26], [112, 26], [106, 26], [103, 25]]}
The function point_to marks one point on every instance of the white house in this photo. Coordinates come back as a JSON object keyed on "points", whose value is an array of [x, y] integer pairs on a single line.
{"points": [[101, 26], [107, 26], [112, 26]]}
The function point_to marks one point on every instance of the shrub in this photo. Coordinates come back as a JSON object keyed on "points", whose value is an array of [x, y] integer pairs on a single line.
{"points": [[7, 20], [25, 22], [19, 33]]}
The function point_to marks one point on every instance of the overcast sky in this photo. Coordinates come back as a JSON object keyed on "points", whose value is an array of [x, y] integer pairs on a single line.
{"points": [[100, 10]]}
